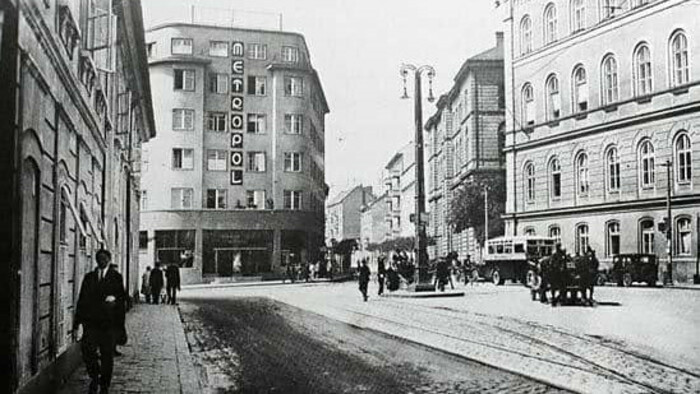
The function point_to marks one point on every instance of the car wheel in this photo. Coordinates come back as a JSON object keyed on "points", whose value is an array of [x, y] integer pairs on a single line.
{"points": [[627, 280], [496, 278]]}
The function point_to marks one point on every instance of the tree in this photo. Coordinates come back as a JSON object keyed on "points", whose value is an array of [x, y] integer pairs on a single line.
{"points": [[467, 208]]}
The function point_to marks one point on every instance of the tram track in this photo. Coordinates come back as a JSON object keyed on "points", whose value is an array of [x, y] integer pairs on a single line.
{"points": [[575, 362]]}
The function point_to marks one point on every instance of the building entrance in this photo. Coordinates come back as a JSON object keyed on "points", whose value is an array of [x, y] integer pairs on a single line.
{"points": [[237, 261]]}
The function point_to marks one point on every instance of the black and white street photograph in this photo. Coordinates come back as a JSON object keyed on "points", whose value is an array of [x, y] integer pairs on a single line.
{"points": [[341, 197]]}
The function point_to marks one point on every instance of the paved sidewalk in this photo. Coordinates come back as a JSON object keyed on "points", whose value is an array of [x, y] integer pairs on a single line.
{"points": [[156, 359]]}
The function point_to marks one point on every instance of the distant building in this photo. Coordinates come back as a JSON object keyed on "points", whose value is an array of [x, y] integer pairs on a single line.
{"points": [[400, 189], [373, 226], [343, 214], [601, 96], [234, 182], [464, 138], [76, 105]]}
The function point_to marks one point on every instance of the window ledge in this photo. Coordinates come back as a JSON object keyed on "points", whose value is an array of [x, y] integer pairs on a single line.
{"points": [[553, 123], [581, 116], [610, 108], [679, 90], [643, 99]]}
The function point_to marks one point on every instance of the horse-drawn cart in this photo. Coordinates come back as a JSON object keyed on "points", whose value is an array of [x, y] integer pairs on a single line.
{"points": [[567, 279]]}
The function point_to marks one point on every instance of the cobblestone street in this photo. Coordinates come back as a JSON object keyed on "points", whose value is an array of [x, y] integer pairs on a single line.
{"points": [[597, 350]]}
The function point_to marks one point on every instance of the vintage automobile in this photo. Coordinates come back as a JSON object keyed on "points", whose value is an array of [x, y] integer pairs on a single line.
{"points": [[635, 267], [508, 258]]}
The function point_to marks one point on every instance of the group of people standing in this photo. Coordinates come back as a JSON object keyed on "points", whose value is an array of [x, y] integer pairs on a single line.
{"points": [[154, 280]]}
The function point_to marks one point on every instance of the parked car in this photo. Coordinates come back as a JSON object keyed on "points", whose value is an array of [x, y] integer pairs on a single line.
{"points": [[630, 268], [507, 258]]}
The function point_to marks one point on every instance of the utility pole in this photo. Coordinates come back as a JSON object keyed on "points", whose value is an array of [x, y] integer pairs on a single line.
{"points": [[486, 214]]}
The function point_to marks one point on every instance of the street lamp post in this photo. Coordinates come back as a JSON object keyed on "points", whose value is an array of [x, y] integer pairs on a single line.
{"points": [[422, 280], [669, 221]]}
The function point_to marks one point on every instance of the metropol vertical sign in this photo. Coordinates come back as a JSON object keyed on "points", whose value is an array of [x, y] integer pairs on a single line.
{"points": [[237, 115]]}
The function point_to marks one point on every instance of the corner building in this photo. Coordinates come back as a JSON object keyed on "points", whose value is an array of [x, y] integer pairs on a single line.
{"points": [[602, 94], [234, 183]]}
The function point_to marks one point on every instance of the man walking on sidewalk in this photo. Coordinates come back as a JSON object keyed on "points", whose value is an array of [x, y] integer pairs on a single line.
{"points": [[364, 279], [156, 282], [172, 275], [101, 311]]}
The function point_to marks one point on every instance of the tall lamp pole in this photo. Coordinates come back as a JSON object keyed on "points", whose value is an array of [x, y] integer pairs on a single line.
{"points": [[422, 281], [669, 221]]}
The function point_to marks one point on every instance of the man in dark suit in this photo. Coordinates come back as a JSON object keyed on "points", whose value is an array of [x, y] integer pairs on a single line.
{"points": [[101, 311], [156, 280], [172, 274]]}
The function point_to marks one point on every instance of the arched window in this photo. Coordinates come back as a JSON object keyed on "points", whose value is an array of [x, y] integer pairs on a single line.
{"points": [[578, 15], [642, 70], [529, 176], [553, 100], [581, 238], [680, 62], [609, 79], [528, 104], [612, 159], [684, 236], [555, 232], [582, 185], [646, 164], [580, 84], [612, 246], [555, 179], [550, 23], [530, 231], [525, 35], [684, 162], [646, 236]]}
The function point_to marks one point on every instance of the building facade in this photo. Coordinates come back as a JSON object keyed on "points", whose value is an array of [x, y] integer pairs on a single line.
{"points": [[76, 108], [343, 214], [464, 138], [602, 96], [400, 189], [373, 222], [235, 179]]}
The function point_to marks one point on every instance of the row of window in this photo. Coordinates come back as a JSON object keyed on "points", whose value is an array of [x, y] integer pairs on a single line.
{"points": [[217, 159], [218, 83], [643, 84], [683, 237], [183, 198], [577, 20], [682, 169], [183, 120], [255, 51]]}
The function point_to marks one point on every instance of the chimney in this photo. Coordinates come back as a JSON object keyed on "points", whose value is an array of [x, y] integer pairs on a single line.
{"points": [[499, 39]]}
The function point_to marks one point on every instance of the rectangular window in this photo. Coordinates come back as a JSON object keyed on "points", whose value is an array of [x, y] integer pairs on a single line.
{"points": [[290, 54], [256, 123], [293, 123], [183, 159], [256, 199], [181, 198], [181, 46], [184, 80], [292, 161], [144, 200], [216, 121], [216, 160], [218, 48], [218, 83], [257, 51], [257, 86], [143, 240], [216, 198], [256, 161], [183, 119], [293, 86], [292, 199]]}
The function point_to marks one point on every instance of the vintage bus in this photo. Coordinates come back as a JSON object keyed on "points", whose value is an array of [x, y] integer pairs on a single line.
{"points": [[506, 258]]}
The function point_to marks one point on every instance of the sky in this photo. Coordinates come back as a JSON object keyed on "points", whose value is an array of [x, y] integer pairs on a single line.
{"points": [[357, 47]]}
